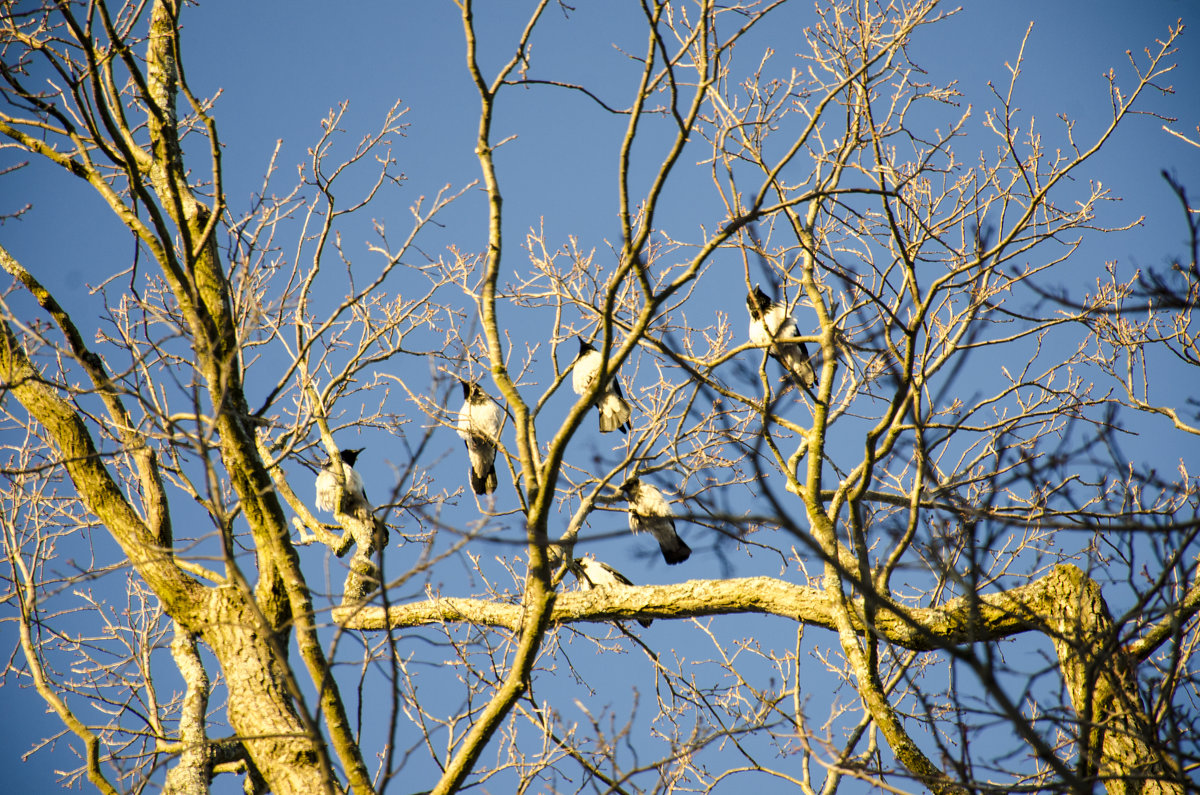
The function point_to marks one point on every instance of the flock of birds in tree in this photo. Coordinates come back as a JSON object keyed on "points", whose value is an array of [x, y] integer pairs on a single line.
{"points": [[481, 418]]}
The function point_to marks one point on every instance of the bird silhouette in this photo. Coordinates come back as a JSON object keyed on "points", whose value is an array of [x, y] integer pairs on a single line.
{"points": [[773, 328], [347, 496], [649, 510], [479, 427], [614, 410]]}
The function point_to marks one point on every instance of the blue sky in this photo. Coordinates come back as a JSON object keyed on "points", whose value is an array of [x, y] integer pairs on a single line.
{"points": [[280, 67]]}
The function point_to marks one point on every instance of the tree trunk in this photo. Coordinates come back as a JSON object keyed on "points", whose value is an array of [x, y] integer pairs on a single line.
{"points": [[1116, 743], [261, 709]]}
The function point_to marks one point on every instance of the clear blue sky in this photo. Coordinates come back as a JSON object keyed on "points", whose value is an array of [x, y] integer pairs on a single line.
{"points": [[281, 66]]}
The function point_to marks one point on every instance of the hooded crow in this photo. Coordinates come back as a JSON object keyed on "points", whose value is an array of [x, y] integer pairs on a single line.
{"points": [[592, 573], [769, 321], [479, 428], [648, 510], [346, 496], [614, 411]]}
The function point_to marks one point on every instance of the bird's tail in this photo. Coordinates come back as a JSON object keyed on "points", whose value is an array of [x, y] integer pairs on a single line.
{"points": [[614, 413], [382, 536], [485, 483], [795, 358], [674, 550]]}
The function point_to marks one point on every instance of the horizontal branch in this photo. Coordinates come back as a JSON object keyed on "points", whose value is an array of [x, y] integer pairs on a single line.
{"points": [[963, 620]]}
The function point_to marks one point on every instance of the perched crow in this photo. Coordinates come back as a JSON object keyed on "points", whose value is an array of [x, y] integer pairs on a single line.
{"points": [[648, 510], [353, 499], [614, 411], [592, 573], [770, 322], [479, 428]]}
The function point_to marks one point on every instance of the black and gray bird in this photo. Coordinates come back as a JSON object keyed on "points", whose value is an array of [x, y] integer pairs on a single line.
{"points": [[353, 498], [614, 411], [649, 510], [479, 427], [769, 322], [592, 573]]}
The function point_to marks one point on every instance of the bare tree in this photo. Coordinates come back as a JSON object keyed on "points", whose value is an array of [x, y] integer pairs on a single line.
{"points": [[1012, 601]]}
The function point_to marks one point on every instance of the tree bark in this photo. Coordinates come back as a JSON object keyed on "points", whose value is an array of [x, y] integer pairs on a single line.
{"points": [[261, 708], [192, 772], [1116, 742]]}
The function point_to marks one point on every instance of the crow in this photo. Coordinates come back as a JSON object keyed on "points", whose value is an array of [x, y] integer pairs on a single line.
{"points": [[769, 322], [648, 510], [592, 573], [479, 428], [614, 411], [348, 495]]}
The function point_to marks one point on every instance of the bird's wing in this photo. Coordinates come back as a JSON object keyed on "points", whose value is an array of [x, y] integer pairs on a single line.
{"points": [[616, 575], [662, 527]]}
